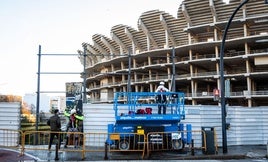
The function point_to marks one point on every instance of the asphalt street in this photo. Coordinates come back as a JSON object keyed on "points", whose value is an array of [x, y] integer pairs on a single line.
{"points": [[257, 153]]}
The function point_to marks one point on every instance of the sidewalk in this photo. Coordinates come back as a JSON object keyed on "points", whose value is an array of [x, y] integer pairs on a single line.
{"points": [[234, 152]]}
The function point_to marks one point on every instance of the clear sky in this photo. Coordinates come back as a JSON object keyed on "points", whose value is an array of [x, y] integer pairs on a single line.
{"points": [[59, 26]]}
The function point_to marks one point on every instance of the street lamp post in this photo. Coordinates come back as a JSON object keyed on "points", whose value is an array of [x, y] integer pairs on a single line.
{"points": [[38, 95], [129, 72], [222, 80], [173, 82]]}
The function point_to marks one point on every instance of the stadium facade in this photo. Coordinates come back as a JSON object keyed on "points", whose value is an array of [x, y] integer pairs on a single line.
{"points": [[189, 45]]}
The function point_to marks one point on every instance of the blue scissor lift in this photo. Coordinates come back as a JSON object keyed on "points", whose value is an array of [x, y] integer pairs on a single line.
{"points": [[138, 112]]}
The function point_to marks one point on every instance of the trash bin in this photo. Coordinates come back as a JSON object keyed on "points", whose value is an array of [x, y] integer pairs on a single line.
{"points": [[208, 139]]}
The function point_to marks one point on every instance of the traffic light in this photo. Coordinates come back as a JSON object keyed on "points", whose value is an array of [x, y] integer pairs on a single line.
{"points": [[216, 94]]}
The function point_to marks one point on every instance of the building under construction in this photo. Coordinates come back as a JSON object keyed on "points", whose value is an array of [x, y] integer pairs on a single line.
{"points": [[186, 48]]}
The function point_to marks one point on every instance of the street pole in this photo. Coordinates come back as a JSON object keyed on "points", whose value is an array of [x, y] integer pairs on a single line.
{"points": [[84, 76], [129, 72], [222, 80], [173, 71], [38, 95]]}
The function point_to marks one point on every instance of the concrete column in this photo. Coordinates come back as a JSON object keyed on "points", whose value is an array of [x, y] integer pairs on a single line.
{"points": [[190, 55], [189, 39], [112, 67], [169, 58], [136, 88], [215, 34], [151, 88], [245, 30], [133, 48], [134, 63], [191, 74], [113, 79], [124, 89], [135, 77], [150, 74], [166, 34], [142, 89], [122, 65], [149, 60], [169, 72], [123, 77], [194, 89], [249, 82], [148, 43]]}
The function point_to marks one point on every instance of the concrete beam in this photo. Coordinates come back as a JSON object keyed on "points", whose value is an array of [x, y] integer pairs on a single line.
{"points": [[185, 14], [119, 42], [148, 34], [93, 54], [213, 10], [111, 47], [134, 41], [169, 33]]}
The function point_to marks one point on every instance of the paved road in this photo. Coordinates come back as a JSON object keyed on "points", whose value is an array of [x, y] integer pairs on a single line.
{"points": [[255, 153], [9, 155]]}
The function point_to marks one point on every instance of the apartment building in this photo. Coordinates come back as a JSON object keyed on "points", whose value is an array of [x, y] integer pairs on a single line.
{"points": [[186, 48]]}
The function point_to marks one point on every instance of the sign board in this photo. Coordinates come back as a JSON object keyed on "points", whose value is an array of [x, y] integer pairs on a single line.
{"points": [[74, 97]]}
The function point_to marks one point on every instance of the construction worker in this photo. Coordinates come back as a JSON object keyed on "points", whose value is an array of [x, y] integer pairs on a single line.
{"points": [[55, 127], [73, 126], [161, 97]]}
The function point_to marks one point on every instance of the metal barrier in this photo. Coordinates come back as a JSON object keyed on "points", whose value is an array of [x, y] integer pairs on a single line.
{"points": [[127, 142], [103, 142], [11, 139], [94, 142], [39, 140], [87, 142], [163, 141]]}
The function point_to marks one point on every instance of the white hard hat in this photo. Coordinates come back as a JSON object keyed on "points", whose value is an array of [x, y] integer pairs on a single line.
{"points": [[73, 111], [162, 83]]}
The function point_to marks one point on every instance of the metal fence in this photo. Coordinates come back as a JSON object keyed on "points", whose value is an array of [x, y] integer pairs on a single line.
{"points": [[11, 139], [98, 142], [164, 141]]}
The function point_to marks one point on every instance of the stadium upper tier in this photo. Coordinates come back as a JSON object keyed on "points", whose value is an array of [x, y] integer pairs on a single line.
{"points": [[190, 45]]}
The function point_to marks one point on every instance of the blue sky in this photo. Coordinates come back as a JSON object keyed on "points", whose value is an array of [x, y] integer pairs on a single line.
{"points": [[59, 26]]}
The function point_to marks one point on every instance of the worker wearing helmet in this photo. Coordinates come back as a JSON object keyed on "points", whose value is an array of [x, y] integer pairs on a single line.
{"points": [[73, 125], [161, 97]]}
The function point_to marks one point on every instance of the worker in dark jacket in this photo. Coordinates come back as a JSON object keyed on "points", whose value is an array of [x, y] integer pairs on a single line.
{"points": [[55, 127]]}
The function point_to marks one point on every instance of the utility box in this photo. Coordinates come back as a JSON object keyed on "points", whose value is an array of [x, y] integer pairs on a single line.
{"points": [[208, 141]]}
